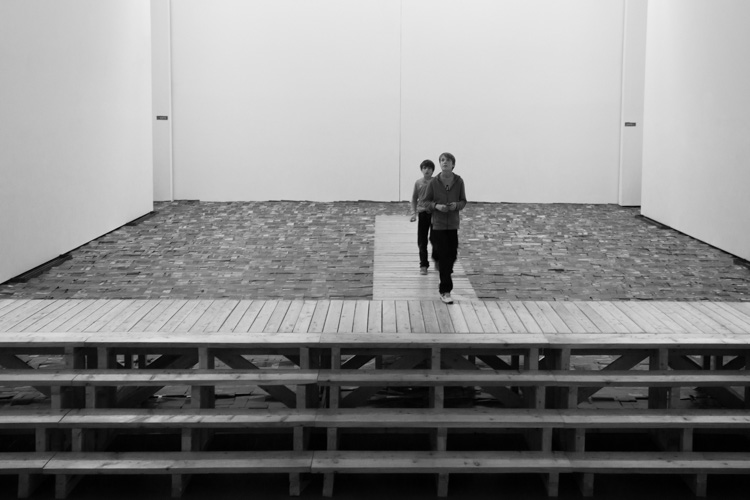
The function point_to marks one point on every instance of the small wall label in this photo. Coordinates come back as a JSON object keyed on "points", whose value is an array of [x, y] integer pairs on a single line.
{"points": [[162, 118], [630, 124]]}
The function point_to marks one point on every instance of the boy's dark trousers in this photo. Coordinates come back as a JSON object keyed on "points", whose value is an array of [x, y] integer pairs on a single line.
{"points": [[445, 253], [423, 228]]}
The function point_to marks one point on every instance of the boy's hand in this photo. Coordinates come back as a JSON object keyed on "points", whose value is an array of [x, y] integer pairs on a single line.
{"points": [[452, 205], [413, 218]]}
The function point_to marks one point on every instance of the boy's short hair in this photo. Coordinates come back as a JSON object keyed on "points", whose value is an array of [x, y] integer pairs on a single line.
{"points": [[427, 163], [450, 157]]}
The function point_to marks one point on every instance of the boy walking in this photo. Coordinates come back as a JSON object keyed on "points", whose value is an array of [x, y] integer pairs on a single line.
{"points": [[421, 211], [445, 197]]}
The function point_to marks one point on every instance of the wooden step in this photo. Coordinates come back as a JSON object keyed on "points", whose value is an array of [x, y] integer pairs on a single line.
{"points": [[187, 418], [523, 418], [554, 378], [458, 418], [395, 462], [660, 462], [24, 463], [81, 378], [398, 462], [421, 418], [204, 462]]}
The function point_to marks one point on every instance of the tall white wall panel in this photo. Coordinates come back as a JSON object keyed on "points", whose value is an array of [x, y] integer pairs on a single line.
{"points": [[286, 99], [526, 94], [696, 159], [75, 129], [341, 100]]}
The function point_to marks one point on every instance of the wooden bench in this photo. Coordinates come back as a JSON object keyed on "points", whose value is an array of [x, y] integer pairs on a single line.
{"points": [[93, 388], [542, 421], [28, 467], [194, 437], [325, 359], [551, 463], [68, 467]]}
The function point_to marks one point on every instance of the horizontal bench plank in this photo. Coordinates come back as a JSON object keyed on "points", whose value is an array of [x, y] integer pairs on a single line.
{"points": [[463, 418], [360, 340], [188, 418], [429, 340], [559, 378], [202, 340], [79, 378], [478, 418], [19, 463], [24, 419], [564, 378], [437, 418], [655, 419], [660, 462], [431, 461], [647, 341], [204, 462], [530, 461]]}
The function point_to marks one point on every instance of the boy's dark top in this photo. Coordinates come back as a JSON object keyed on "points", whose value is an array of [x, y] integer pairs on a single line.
{"points": [[437, 194]]}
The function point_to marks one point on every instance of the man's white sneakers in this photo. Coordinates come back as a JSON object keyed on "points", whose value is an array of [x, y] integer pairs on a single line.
{"points": [[446, 298]]}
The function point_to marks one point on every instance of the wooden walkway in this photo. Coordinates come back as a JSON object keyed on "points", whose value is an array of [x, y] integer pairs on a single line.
{"points": [[396, 266], [715, 319]]}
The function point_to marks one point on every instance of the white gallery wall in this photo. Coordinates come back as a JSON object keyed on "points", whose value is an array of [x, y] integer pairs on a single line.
{"points": [[696, 157], [340, 100], [285, 99], [75, 129], [525, 94]]}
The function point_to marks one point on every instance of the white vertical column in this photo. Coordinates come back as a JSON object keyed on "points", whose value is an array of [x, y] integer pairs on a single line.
{"points": [[161, 67], [633, 84]]}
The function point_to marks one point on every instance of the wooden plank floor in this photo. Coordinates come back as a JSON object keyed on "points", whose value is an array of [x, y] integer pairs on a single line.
{"points": [[396, 267], [714, 319]]}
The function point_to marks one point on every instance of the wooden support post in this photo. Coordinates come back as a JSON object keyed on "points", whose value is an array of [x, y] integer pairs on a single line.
{"points": [[332, 443], [189, 441], [559, 360], [696, 482], [307, 396], [686, 439], [535, 396], [103, 397], [194, 439], [577, 443], [658, 397], [747, 387], [77, 438], [515, 361], [437, 393], [437, 402], [71, 397], [27, 482], [64, 484], [204, 397]]}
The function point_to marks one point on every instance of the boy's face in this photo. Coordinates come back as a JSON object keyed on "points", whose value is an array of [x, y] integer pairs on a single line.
{"points": [[446, 165], [427, 172]]}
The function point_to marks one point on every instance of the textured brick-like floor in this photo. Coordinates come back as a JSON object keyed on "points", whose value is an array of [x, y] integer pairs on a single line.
{"points": [[325, 251]]}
